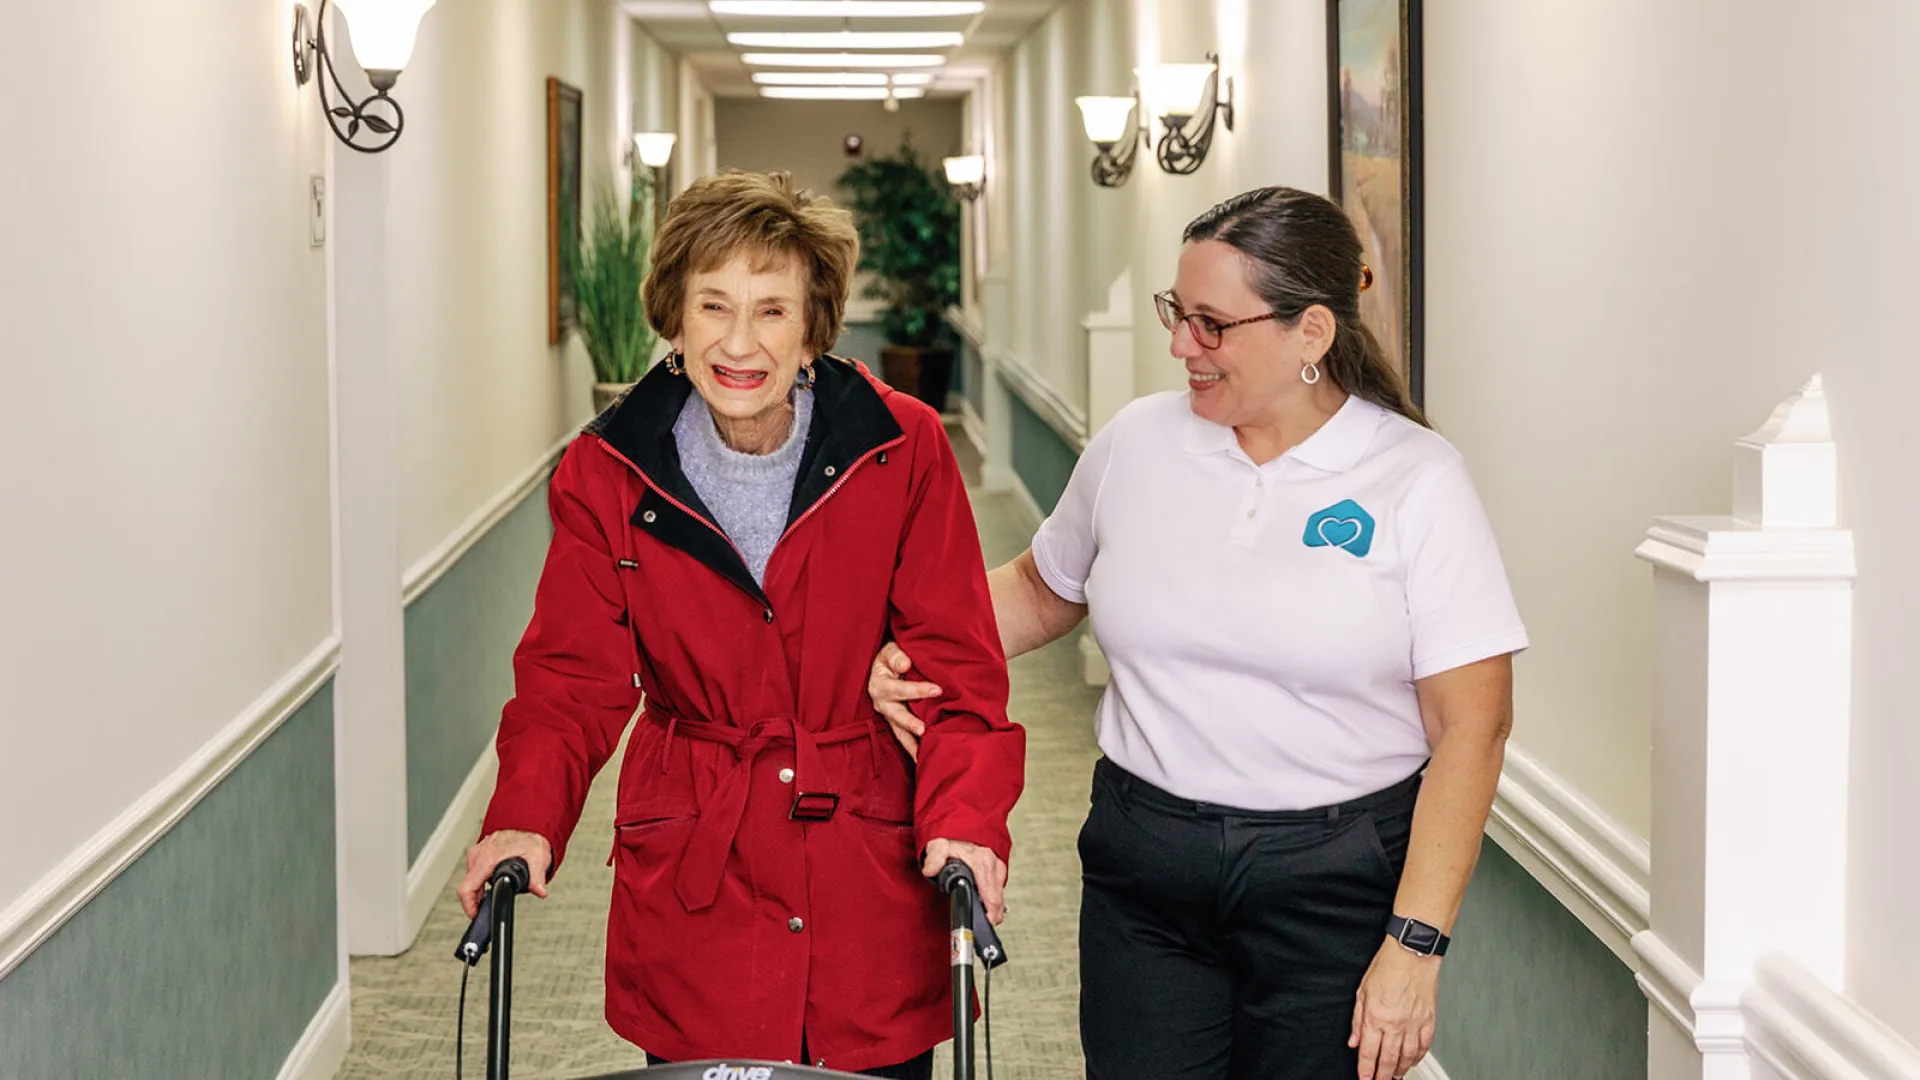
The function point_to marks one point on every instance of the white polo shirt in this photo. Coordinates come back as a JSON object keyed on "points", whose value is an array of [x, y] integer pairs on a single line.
{"points": [[1265, 623]]}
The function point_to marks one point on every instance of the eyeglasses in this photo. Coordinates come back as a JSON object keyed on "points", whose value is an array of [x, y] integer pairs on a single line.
{"points": [[1206, 329]]}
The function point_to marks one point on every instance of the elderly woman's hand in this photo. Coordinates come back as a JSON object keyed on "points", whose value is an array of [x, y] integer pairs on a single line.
{"points": [[890, 693], [989, 873], [491, 850], [1394, 1012]]}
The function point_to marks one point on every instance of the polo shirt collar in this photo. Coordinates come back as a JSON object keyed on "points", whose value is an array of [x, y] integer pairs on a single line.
{"points": [[1337, 447]]}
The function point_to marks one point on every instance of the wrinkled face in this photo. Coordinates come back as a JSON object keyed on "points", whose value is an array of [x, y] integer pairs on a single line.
{"points": [[743, 336], [1256, 367]]}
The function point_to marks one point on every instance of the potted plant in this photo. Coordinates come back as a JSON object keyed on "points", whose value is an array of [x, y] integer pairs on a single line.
{"points": [[608, 266], [910, 239]]}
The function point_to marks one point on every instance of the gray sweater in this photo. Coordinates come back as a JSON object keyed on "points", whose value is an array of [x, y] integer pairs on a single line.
{"points": [[748, 493]]}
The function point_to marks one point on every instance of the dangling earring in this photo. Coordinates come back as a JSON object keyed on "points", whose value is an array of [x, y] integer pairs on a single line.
{"points": [[674, 364], [1310, 374], [805, 381]]}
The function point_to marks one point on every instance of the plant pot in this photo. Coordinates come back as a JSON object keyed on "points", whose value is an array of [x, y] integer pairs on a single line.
{"points": [[924, 373], [605, 393]]}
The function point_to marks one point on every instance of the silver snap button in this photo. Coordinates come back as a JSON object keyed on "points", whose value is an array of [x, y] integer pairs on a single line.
{"points": [[831, 470], [768, 613], [786, 776], [795, 924], [649, 517]]}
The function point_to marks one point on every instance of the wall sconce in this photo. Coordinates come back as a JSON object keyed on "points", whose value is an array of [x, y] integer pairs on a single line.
{"points": [[1112, 123], [1181, 93], [383, 35], [966, 175], [653, 148]]}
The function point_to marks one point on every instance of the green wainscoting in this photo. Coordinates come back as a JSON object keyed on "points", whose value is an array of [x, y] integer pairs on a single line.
{"points": [[1041, 458], [460, 637], [212, 952], [1527, 992]]}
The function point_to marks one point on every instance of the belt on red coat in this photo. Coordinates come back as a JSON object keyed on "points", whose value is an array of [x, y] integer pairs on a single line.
{"points": [[704, 864]]}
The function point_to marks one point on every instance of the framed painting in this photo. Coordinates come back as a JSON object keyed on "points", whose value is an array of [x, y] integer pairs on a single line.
{"points": [[563, 204], [1373, 58]]}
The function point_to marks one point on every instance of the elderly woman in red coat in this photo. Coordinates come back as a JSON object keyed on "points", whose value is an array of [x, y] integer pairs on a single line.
{"points": [[732, 541]]}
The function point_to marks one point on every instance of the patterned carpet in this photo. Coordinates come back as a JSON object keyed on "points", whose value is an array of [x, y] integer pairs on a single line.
{"points": [[404, 1007]]}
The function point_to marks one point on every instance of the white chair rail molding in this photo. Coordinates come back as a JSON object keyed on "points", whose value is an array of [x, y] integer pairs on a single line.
{"points": [[1752, 637]]}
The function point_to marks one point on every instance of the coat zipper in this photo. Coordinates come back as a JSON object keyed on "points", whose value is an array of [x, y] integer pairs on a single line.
{"points": [[828, 494]]}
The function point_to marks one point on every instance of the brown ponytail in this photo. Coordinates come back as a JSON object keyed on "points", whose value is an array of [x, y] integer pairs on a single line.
{"points": [[1301, 250]]}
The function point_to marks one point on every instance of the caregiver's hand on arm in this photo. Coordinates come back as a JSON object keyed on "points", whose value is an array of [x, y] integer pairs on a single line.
{"points": [[1029, 615], [491, 850]]}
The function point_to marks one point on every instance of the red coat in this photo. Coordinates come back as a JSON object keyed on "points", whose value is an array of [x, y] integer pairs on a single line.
{"points": [[736, 927]]}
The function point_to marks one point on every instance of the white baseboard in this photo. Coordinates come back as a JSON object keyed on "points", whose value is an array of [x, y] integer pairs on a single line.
{"points": [[1805, 1031], [51, 901], [1428, 1069], [974, 427], [434, 564], [322, 1050], [447, 847], [1594, 866]]}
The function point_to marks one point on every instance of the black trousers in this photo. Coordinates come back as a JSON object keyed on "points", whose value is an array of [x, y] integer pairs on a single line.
{"points": [[1217, 942], [919, 1068]]}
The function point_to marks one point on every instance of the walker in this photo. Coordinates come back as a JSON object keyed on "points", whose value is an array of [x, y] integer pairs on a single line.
{"points": [[970, 935]]}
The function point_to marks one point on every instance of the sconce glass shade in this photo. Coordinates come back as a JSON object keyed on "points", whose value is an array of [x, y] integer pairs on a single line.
{"points": [[1105, 118], [961, 171], [1174, 91], [655, 148], [383, 31]]}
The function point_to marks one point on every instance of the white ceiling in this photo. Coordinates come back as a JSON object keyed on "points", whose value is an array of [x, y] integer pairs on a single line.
{"points": [[688, 28]]}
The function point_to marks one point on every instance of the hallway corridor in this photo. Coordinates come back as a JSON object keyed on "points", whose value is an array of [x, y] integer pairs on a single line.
{"points": [[404, 1007]]}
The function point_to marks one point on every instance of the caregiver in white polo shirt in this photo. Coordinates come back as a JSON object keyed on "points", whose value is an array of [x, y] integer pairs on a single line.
{"points": [[1311, 633]]}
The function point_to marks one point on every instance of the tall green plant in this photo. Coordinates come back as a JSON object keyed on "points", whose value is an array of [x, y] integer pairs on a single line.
{"points": [[910, 239], [608, 266]]}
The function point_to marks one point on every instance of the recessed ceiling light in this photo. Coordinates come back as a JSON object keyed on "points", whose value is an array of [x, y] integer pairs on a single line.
{"points": [[843, 60], [838, 93], [847, 9], [820, 78], [841, 78], [849, 39]]}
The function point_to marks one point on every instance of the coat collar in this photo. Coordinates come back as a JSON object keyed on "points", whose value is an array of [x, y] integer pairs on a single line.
{"points": [[850, 420]]}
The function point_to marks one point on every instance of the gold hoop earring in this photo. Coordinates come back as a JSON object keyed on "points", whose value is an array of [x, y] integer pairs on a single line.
{"points": [[674, 363], [1310, 374]]}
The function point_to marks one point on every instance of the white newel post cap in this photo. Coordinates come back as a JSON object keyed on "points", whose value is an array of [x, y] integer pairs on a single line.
{"points": [[1785, 475]]}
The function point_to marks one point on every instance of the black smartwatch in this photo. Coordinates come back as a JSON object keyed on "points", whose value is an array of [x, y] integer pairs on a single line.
{"points": [[1417, 937]]}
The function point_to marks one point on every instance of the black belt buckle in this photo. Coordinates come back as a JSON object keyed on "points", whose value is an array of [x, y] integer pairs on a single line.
{"points": [[814, 806]]}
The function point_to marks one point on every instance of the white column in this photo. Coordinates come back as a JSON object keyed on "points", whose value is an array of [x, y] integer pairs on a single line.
{"points": [[1110, 354], [370, 719], [1752, 643]]}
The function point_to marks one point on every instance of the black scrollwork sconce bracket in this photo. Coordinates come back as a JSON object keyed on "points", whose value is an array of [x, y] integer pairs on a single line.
{"points": [[965, 192], [1181, 150], [370, 124], [1114, 163]]}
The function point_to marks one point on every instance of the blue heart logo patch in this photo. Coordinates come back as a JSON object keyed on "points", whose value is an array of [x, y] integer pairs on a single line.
{"points": [[1343, 525]]}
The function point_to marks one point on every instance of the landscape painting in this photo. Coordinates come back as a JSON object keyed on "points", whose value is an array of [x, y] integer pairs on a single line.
{"points": [[1373, 51]]}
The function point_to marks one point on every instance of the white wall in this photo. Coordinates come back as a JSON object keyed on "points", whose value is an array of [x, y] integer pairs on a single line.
{"points": [[483, 394], [163, 399], [1647, 223], [1275, 51]]}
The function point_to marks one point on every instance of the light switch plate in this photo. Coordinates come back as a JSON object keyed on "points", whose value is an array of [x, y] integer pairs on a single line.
{"points": [[317, 211]]}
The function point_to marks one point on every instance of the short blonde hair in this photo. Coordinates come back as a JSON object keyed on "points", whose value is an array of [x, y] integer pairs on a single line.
{"points": [[762, 216]]}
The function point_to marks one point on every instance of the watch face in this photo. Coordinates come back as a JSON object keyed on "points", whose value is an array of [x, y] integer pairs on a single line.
{"points": [[1419, 936]]}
